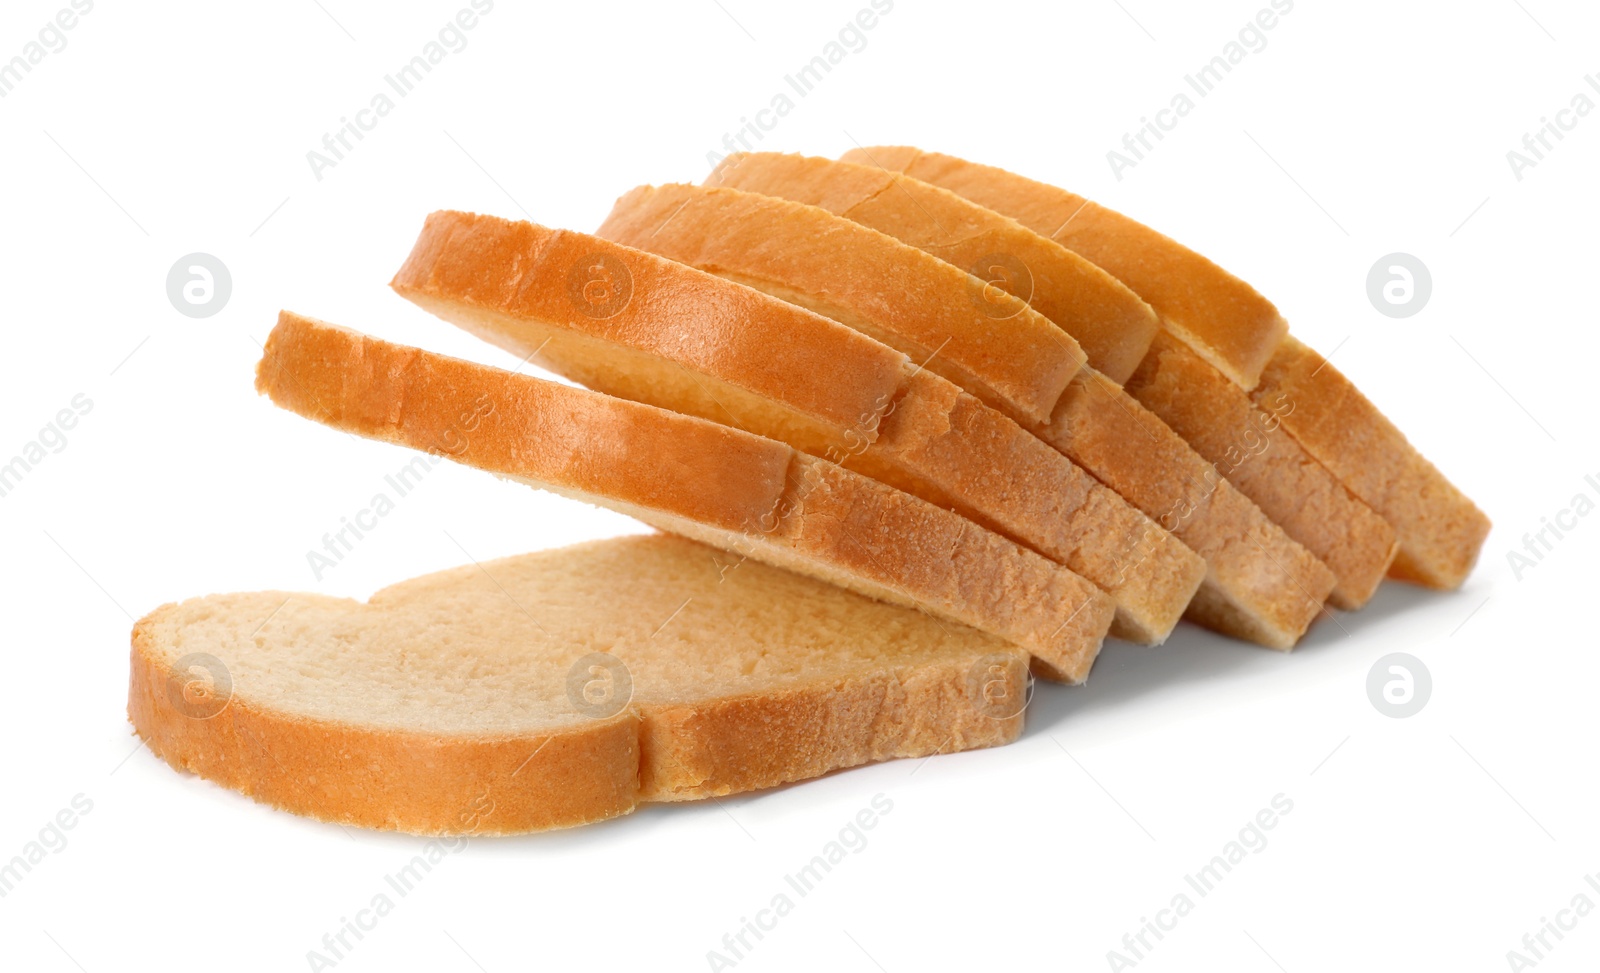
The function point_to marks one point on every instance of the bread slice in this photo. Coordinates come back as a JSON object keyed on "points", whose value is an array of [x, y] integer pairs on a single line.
{"points": [[691, 477], [557, 688], [1250, 446], [1020, 369], [1218, 315], [1109, 321], [1181, 388], [1260, 584], [1440, 530], [694, 343]]}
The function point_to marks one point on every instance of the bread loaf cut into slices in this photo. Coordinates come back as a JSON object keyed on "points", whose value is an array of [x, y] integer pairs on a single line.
{"points": [[1260, 584], [1109, 321], [557, 688], [1181, 388], [1250, 446], [1020, 369], [1267, 588], [688, 341], [1440, 529], [712, 483], [1218, 315]]}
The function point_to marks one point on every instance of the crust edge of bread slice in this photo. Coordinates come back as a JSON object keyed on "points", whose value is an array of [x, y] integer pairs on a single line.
{"points": [[967, 692], [724, 487], [926, 436]]}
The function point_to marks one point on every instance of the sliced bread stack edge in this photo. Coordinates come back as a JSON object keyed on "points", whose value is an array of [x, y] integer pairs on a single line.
{"points": [[1216, 417], [685, 340], [712, 483], [1439, 531], [1260, 584]]}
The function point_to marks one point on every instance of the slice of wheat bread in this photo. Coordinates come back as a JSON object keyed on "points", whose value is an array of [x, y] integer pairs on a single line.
{"points": [[1251, 447], [1112, 324], [557, 688], [1021, 368], [679, 338], [1440, 530], [1220, 316], [1258, 579], [709, 482], [1185, 391]]}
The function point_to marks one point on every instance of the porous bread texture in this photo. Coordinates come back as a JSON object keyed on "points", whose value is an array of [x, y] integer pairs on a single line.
{"points": [[1250, 446], [1439, 529], [1019, 369], [1260, 584], [1218, 315], [696, 478], [1112, 324], [557, 688], [695, 343]]}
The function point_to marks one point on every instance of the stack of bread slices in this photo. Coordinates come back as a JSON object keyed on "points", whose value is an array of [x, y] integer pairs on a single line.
{"points": [[912, 428]]}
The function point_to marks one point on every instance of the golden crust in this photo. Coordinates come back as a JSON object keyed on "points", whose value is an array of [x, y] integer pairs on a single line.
{"points": [[581, 771], [603, 290], [518, 425], [725, 746], [1220, 316], [960, 448], [1019, 364], [1270, 587], [692, 477], [1112, 324], [906, 427], [1440, 530], [420, 783], [1252, 449]]}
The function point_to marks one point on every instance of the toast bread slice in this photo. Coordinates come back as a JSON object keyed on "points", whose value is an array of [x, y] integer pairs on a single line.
{"points": [[1020, 369], [1218, 315], [1268, 589], [1251, 447], [1186, 392], [514, 696], [1439, 529], [695, 478], [1111, 323], [695, 343], [1260, 584]]}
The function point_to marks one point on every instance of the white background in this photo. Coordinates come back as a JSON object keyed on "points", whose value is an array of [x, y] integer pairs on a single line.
{"points": [[1363, 128]]}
